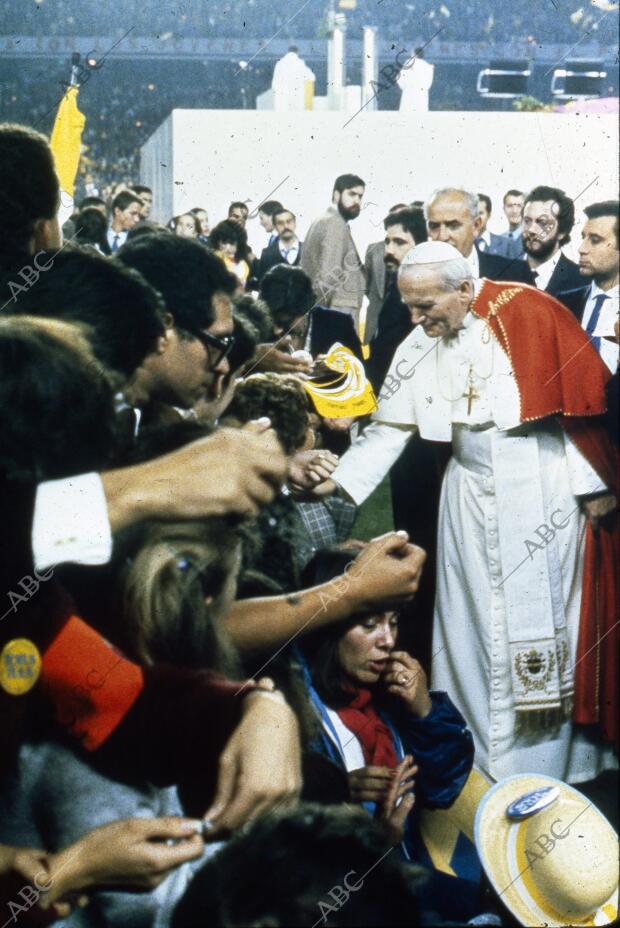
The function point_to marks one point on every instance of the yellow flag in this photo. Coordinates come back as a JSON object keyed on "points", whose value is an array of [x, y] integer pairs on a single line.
{"points": [[350, 394], [66, 140]]}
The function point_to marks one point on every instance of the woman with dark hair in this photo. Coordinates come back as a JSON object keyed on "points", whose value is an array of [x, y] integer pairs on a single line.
{"points": [[230, 241], [379, 720]]}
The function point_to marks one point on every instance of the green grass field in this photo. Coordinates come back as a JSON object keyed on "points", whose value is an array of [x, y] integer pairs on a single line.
{"points": [[374, 517]]}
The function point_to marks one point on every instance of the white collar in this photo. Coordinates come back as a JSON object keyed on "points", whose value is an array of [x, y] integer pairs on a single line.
{"points": [[595, 290], [474, 263], [486, 237], [545, 270]]}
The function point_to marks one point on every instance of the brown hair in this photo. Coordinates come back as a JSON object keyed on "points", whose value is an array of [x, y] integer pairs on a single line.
{"points": [[173, 588]]}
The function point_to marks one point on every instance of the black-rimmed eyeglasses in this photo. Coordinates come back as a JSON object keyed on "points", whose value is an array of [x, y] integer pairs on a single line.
{"points": [[222, 343]]}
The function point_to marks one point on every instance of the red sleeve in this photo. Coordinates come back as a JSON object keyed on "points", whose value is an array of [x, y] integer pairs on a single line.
{"points": [[156, 723]]}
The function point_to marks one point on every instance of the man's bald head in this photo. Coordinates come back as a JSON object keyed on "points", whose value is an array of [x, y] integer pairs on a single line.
{"points": [[452, 217], [436, 284]]}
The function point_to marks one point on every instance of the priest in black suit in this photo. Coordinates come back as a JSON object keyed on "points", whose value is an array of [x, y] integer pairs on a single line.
{"points": [[286, 248]]}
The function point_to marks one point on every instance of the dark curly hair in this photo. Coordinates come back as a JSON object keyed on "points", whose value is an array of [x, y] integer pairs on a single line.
{"points": [[236, 885], [280, 397], [229, 231]]}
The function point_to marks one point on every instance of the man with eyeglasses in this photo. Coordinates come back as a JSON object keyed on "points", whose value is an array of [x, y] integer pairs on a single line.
{"points": [[190, 358]]}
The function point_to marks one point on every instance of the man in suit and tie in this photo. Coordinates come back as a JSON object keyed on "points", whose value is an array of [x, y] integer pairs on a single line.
{"points": [[286, 249], [488, 241], [548, 219], [513, 211], [452, 216], [126, 213], [330, 257], [595, 302]]}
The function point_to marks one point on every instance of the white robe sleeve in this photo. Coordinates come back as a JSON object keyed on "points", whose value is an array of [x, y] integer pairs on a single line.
{"points": [[582, 477], [71, 522], [369, 458]]}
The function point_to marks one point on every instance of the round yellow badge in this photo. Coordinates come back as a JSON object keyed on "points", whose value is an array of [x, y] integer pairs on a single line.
{"points": [[20, 666]]}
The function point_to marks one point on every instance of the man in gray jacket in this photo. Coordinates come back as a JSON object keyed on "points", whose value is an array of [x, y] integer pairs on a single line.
{"points": [[330, 257]]}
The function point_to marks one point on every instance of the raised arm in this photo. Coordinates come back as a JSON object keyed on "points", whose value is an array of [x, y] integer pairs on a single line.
{"points": [[387, 571]]}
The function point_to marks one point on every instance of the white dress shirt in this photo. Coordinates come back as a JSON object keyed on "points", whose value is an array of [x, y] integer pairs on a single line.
{"points": [[542, 273], [605, 325], [473, 262], [486, 238], [289, 254], [112, 235], [71, 522]]}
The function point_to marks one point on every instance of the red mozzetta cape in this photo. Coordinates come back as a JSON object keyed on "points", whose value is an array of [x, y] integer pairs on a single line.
{"points": [[558, 373]]}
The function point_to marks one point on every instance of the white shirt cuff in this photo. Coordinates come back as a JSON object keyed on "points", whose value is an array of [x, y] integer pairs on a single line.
{"points": [[71, 522]]}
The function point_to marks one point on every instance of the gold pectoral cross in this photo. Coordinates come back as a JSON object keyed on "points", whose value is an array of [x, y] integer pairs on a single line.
{"points": [[470, 394]]}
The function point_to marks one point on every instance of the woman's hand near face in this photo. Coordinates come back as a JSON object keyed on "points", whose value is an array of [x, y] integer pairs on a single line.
{"points": [[405, 678]]}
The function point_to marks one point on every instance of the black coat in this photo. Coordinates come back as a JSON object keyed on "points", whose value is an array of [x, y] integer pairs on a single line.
{"points": [[270, 257], [566, 276], [495, 267], [575, 299], [393, 327]]}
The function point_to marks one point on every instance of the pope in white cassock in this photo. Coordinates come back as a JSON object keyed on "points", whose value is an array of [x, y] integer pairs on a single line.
{"points": [[480, 369]]}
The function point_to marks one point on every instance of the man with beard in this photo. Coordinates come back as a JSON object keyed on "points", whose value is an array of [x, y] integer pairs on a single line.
{"points": [[548, 218], [330, 257]]}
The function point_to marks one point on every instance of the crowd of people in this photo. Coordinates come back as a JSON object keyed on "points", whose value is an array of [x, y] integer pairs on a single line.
{"points": [[490, 19], [218, 706]]}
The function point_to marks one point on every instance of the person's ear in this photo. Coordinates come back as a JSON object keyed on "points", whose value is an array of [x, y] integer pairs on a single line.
{"points": [[46, 235], [466, 291], [164, 340], [477, 225]]}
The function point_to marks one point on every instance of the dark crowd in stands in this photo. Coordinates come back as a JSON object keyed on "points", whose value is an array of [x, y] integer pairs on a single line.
{"points": [[463, 21]]}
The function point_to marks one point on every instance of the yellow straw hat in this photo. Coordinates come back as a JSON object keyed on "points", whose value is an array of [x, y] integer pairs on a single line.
{"points": [[550, 855]]}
